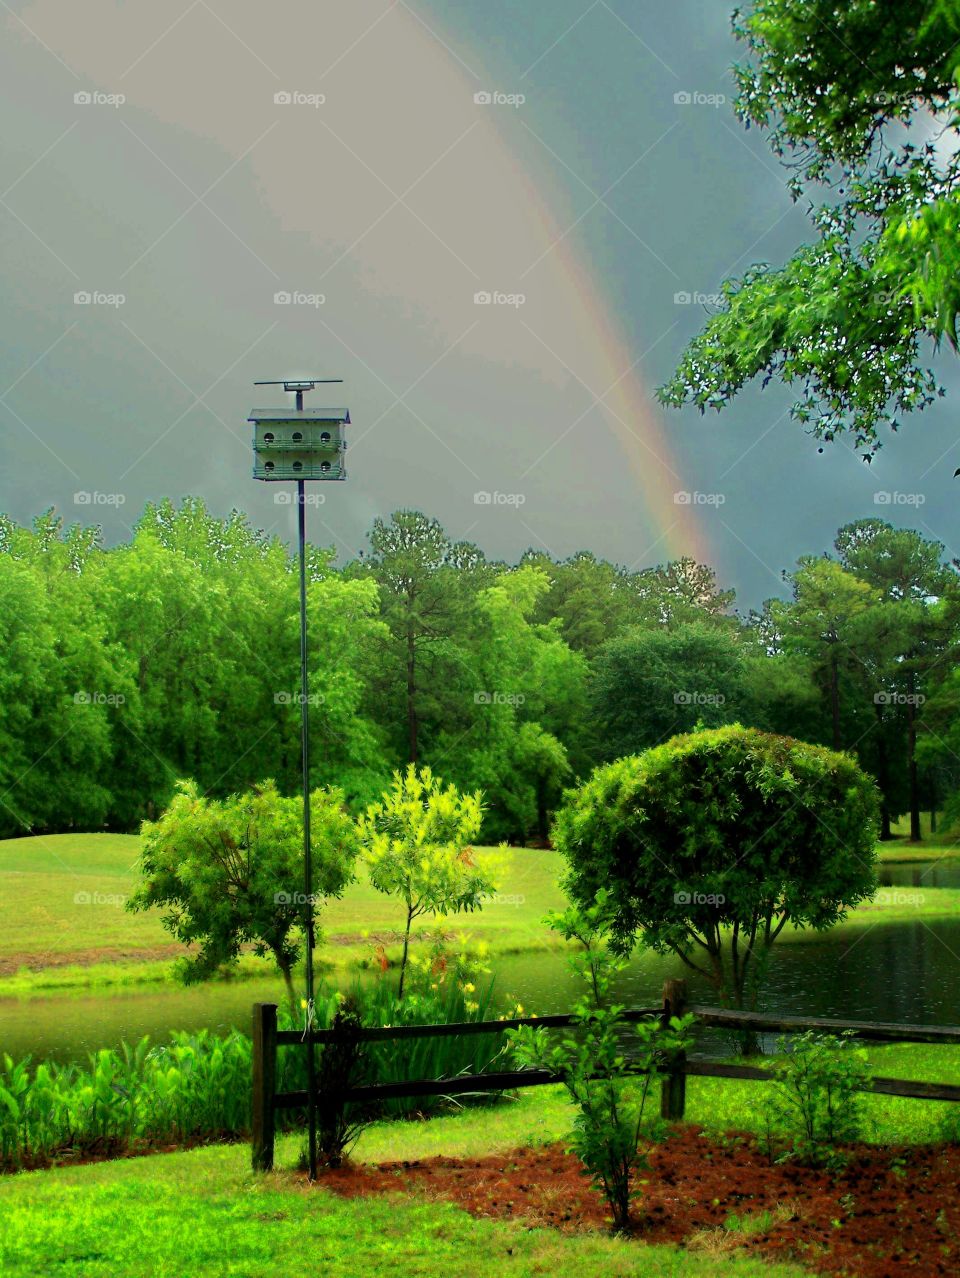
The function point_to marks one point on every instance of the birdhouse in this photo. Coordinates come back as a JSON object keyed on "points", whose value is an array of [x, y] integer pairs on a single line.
{"points": [[299, 443]]}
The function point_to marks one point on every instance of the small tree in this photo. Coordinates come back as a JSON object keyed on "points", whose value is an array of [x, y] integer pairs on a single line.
{"points": [[231, 872], [712, 843], [608, 1079], [416, 843]]}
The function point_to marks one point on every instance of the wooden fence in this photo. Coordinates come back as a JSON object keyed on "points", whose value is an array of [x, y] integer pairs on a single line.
{"points": [[267, 1039]]}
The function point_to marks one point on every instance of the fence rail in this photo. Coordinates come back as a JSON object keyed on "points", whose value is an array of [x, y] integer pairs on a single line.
{"points": [[267, 1038]]}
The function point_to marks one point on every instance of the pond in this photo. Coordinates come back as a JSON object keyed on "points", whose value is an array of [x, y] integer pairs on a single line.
{"points": [[896, 971]]}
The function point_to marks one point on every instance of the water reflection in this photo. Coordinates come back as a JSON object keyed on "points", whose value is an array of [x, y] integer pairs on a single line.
{"points": [[903, 971]]}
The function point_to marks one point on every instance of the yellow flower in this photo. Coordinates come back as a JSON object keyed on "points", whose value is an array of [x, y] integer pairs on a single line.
{"points": [[303, 1003], [468, 988]]}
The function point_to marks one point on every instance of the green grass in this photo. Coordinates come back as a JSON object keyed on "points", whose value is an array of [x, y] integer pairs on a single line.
{"points": [[63, 925], [203, 1212]]}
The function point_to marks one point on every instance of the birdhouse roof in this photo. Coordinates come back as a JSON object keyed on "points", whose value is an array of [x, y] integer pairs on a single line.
{"points": [[338, 415]]}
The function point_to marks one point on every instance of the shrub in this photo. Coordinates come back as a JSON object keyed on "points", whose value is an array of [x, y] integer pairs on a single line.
{"points": [[817, 1102], [612, 1130], [712, 843]]}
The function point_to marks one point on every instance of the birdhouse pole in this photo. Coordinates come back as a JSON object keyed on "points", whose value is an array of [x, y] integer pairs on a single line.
{"points": [[302, 445]]}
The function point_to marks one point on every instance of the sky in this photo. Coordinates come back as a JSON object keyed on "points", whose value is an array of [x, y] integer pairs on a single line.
{"points": [[499, 222]]}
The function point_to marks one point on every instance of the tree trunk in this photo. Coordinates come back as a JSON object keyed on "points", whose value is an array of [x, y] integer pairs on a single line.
{"points": [[883, 777], [411, 695], [835, 700], [406, 948], [915, 833], [543, 823]]}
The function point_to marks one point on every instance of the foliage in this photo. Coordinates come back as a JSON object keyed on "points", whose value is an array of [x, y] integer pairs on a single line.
{"points": [[196, 1087], [712, 843], [846, 96], [231, 872], [612, 1131], [650, 684], [416, 843], [817, 1097]]}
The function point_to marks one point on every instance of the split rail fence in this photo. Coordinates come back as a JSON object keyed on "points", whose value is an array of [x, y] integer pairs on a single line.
{"points": [[267, 1038]]}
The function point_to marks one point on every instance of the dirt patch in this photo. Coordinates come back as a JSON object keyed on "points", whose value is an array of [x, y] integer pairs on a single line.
{"points": [[892, 1209], [11, 964]]}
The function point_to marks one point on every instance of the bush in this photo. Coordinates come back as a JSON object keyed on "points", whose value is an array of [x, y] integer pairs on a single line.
{"points": [[612, 1131], [817, 1102], [712, 843]]}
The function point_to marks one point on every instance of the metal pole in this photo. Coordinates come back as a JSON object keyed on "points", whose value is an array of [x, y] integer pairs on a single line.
{"points": [[307, 859]]}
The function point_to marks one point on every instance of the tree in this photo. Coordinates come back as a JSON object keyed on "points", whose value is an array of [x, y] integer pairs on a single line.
{"points": [[426, 584], [650, 684], [825, 624], [231, 872], [847, 95], [711, 844], [917, 618], [416, 844]]}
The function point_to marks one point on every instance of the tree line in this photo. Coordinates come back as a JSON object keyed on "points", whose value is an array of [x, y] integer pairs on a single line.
{"points": [[176, 655]]}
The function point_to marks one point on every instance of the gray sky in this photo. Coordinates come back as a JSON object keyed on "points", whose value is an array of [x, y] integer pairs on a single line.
{"points": [[383, 198]]}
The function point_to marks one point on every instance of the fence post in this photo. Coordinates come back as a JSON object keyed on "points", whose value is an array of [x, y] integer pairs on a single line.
{"points": [[264, 1084], [673, 1089]]}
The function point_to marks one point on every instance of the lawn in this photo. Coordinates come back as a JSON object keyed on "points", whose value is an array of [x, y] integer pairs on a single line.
{"points": [[202, 1212], [63, 925]]}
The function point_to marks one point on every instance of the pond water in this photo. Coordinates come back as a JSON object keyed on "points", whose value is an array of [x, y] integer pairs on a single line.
{"points": [[896, 971]]}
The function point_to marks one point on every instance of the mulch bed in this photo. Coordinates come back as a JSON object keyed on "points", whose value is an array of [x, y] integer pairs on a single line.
{"points": [[892, 1210]]}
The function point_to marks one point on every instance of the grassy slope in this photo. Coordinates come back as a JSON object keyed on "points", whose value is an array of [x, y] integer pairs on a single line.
{"points": [[43, 924]]}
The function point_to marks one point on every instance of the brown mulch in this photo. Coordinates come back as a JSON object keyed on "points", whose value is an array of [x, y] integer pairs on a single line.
{"points": [[891, 1211], [11, 964]]}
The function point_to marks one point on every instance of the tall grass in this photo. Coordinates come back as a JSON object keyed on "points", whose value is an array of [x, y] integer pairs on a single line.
{"points": [[388, 1061], [194, 1088]]}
